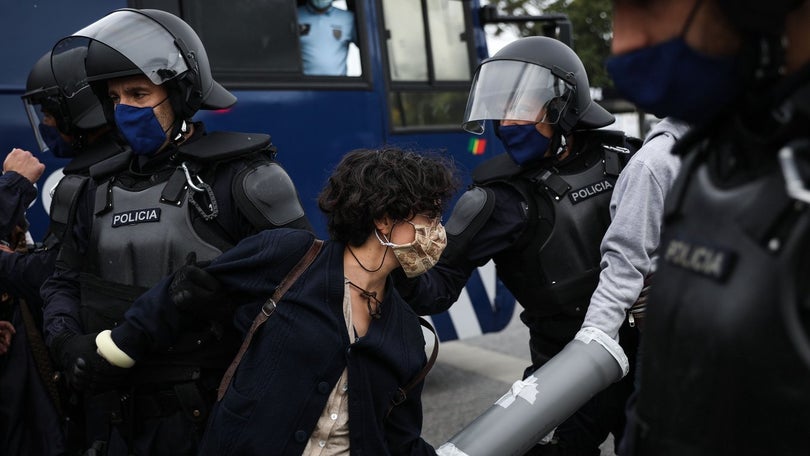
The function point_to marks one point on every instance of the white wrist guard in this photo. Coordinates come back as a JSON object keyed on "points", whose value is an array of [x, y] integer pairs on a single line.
{"points": [[109, 351], [589, 333]]}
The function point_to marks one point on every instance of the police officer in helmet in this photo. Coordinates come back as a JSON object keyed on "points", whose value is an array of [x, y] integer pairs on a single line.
{"points": [[726, 360], [181, 196], [539, 211], [68, 127]]}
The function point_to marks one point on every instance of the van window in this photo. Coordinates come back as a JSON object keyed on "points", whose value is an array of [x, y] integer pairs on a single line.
{"points": [[429, 61]]}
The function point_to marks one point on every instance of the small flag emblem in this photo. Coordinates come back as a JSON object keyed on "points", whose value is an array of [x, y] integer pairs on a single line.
{"points": [[477, 146]]}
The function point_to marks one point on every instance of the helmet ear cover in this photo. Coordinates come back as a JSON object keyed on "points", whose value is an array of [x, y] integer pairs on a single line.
{"points": [[189, 84]]}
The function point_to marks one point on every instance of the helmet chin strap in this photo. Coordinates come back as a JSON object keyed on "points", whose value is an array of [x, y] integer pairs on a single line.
{"points": [[180, 130], [558, 143]]}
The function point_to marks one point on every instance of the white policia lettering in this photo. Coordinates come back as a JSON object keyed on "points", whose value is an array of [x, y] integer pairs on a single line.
{"points": [[591, 190], [702, 260], [136, 216]]}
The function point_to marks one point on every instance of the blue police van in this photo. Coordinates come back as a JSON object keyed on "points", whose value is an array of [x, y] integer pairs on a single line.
{"points": [[407, 83]]}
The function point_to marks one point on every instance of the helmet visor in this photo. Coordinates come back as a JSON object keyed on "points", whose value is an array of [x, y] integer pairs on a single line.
{"points": [[43, 110], [514, 90], [139, 38]]}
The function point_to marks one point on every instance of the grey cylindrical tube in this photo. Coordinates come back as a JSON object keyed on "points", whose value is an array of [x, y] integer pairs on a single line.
{"points": [[534, 407]]}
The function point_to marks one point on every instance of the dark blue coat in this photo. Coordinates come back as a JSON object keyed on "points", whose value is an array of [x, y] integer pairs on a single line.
{"points": [[296, 358], [29, 423]]}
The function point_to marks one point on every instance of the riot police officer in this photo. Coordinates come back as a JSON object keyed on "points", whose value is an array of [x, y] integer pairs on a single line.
{"points": [[68, 127], [539, 211], [182, 193], [726, 355]]}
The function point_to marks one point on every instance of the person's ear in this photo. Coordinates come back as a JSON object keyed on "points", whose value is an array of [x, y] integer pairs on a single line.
{"points": [[384, 225]]}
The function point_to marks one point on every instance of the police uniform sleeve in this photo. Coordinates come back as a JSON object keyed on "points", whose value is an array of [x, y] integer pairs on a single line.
{"points": [[61, 292], [485, 221], [22, 274], [17, 193]]}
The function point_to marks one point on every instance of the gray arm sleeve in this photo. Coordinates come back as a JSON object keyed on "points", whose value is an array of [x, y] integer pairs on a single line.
{"points": [[631, 241]]}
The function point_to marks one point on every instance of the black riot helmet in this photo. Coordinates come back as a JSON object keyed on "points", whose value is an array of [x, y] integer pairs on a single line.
{"points": [[156, 44], [74, 114], [537, 79]]}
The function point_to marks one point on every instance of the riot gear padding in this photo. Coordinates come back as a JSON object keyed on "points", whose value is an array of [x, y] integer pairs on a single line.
{"points": [[537, 79], [164, 49], [72, 112]]}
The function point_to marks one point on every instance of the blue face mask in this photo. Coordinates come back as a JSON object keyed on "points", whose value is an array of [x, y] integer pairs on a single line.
{"points": [[320, 4], [523, 142], [140, 128], [672, 79], [56, 144]]}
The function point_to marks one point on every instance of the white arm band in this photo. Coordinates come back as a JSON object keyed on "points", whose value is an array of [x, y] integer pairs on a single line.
{"points": [[109, 351]]}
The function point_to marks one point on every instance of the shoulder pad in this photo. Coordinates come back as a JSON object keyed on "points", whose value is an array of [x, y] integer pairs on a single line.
{"points": [[101, 150], [474, 202], [499, 167], [110, 165], [63, 206], [616, 147], [470, 213], [222, 145], [266, 195]]}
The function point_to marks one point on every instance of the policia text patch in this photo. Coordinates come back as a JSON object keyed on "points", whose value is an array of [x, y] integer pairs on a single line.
{"points": [[709, 261], [597, 188], [136, 216]]}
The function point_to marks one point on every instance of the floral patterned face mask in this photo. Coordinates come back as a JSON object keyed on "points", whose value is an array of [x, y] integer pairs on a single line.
{"points": [[424, 252]]}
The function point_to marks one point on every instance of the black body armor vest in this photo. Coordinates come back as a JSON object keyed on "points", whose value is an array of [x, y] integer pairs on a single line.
{"points": [[723, 373], [140, 236], [558, 274]]}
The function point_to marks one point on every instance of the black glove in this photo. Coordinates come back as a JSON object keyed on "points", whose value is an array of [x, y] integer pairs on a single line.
{"points": [[84, 369], [196, 292]]}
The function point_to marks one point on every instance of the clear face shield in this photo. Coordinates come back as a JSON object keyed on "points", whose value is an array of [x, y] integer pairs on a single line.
{"points": [[43, 110], [139, 38], [514, 90]]}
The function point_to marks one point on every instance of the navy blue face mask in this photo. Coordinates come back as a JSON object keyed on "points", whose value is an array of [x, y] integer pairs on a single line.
{"points": [[140, 128], [672, 79], [56, 143], [523, 142]]}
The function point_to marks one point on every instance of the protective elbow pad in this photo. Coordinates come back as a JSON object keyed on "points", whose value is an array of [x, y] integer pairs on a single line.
{"points": [[266, 195]]}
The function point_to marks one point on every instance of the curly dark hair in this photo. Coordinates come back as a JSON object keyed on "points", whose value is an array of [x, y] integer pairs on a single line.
{"points": [[369, 184]]}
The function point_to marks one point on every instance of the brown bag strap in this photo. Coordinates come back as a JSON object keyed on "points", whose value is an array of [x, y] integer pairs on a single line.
{"points": [[267, 309], [402, 392]]}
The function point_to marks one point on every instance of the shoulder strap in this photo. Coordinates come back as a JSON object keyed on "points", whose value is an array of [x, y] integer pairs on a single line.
{"points": [[402, 393], [267, 309]]}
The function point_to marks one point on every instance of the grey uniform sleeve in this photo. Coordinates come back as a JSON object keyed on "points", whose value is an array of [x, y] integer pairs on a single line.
{"points": [[629, 245]]}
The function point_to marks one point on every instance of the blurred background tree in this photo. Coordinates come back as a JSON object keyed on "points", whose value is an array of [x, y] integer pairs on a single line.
{"points": [[590, 19]]}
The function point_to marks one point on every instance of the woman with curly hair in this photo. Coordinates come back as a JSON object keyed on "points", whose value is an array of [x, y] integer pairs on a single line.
{"points": [[338, 365]]}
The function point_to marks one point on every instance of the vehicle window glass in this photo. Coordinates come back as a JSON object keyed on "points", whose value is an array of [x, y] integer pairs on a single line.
{"points": [[451, 60], [244, 36], [405, 33], [420, 109]]}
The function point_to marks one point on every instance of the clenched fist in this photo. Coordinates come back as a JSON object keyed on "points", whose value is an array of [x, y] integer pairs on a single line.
{"points": [[24, 163]]}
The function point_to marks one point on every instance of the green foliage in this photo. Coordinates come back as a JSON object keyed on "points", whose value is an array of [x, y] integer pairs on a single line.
{"points": [[591, 21]]}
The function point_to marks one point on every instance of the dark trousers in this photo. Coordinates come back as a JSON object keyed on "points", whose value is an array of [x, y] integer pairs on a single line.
{"points": [[159, 422]]}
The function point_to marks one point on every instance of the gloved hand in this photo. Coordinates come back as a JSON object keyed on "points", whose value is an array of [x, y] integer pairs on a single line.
{"points": [[83, 368], [198, 293]]}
